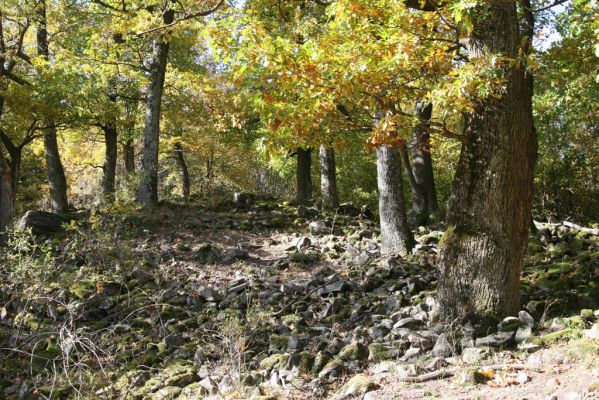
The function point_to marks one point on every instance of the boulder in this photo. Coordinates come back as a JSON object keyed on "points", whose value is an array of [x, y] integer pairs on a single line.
{"points": [[355, 388], [41, 222]]}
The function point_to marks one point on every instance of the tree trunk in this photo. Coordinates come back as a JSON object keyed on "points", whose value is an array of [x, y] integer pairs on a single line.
{"points": [[6, 196], [129, 156], [422, 163], [54, 169], [328, 178], [186, 186], [56, 178], [489, 209], [395, 233], [147, 193], [420, 170], [109, 167], [303, 175]]}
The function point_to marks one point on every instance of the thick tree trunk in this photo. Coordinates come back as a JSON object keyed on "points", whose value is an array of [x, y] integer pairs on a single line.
{"points": [[54, 169], [304, 175], [489, 209], [147, 193], [395, 233], [328, 177], [129, 156], [186, 186], [110, 158], [6, 196]]}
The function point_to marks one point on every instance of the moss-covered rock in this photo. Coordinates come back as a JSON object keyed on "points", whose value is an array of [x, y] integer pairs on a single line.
{"points": [[356, 387], [275, 360], [354, 351]]}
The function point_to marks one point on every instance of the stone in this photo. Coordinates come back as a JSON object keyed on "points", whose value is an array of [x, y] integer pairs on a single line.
{"points": [[356, 387], [523, 333], [508, 324], [332, 369], [500, 339], [442, 347], [243, 200], [274, 360], [472, 355], [435, 364], [526, 319], [412, 352], [174, 340], [354, 351], [318, 228], [380, 352], [362, 259], [41, 222], [384, 367], [592, 333], [302, 242], [334, 287]]}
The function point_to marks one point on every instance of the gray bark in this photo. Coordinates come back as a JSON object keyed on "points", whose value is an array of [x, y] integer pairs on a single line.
{"points": [[304, 175], [129, 156], [185, 181], [489, 209], [56, 177], [395, 232], [328, 178], [147, 193], [110, 158], [6, 196]]}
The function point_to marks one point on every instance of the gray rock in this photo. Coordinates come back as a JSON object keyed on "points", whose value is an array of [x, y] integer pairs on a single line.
{"points": [[523, 333], [318, 228], [41, 222], [508, 324], [302, 242], [174, 340], [526, 319], [500, 339], [442, 347], [411, 352], [472, 355], [356, 387]]}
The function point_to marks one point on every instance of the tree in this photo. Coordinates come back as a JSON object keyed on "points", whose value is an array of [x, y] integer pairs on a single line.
{"points": [[147, 193], [328, 177], [489, 209], [303, 174], [420, 170], [395, 232], [57, 180]]}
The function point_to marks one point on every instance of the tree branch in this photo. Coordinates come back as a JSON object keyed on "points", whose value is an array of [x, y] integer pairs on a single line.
{"points": [[185, 17]]}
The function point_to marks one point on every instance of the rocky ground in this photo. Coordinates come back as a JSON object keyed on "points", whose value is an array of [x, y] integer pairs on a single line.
{"points": [[268, 300]]}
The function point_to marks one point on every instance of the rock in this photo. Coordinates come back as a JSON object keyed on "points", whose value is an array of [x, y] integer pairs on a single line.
{"points": [[435, 364], [472, 355], [412, 352], [41, 222], [318, 228], [236, 254], [141, 275], [335, 287], [362, 259], [243, 200], [405, 370], [332, 369], [302, 242], [592, 333], [356, 387], [500, 339], [174, 340], [508, 324], [320, 361], [354, 351], [442, 347], [526, 319], [523, 333], [384, 367], [275, 360], [166, 393]]}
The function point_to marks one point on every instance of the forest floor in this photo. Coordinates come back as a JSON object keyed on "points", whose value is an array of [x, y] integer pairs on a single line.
{"points": [[273, 301]]}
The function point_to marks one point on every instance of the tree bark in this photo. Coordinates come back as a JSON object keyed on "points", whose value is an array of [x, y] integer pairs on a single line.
{"points": [[147, 193], [420, 170], [304, 175], [186, 186], [328, 177], [56, 177], [129, 156], [6, 196], [395, 233], [489, 209], [110, 158]]}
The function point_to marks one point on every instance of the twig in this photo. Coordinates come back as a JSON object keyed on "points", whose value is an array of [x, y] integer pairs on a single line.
{"points": [[449, 372]]}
